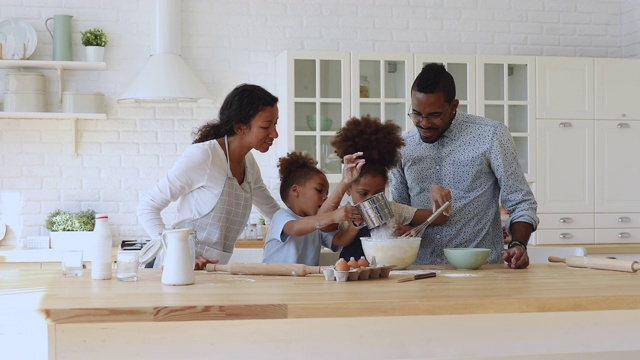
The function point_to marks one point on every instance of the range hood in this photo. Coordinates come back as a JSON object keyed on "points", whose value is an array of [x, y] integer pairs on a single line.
{"points": [[166, 77]]}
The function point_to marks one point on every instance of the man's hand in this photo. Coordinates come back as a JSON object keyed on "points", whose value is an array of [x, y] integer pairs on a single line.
{"points": [[516, 257]]}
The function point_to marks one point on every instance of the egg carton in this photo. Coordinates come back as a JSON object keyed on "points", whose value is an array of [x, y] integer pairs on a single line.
{"points": [[362, 273]]}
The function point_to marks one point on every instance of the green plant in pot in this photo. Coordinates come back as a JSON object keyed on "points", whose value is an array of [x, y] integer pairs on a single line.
{"points": [[70, 230], [94, 41]]}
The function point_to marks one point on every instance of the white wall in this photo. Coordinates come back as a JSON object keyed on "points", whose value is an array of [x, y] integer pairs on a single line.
{"points": [[228, 42]]}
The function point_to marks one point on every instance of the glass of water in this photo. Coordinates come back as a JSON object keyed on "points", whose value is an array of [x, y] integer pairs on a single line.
{"points": [[127, 264], [72, 263]]}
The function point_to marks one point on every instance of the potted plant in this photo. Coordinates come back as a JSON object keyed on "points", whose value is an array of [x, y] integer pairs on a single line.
{"points": [[94, 41], [264, 227], [71, 230]]}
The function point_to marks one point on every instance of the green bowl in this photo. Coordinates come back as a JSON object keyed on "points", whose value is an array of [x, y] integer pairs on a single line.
{"points": [[325, 122], [467, 258]]}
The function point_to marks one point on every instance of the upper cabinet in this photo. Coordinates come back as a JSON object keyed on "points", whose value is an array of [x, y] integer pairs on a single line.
{"points": [[564, 88], [314, 92], [379, 86], [506, 94], [617, 86]]}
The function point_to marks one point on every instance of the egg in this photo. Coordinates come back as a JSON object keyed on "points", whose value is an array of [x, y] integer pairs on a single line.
{"points": [[363, 262], [341, 265], [353, 263]]}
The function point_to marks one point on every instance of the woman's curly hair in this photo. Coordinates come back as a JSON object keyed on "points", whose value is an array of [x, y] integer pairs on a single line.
{"points": [[295, 169], [379, 142]]}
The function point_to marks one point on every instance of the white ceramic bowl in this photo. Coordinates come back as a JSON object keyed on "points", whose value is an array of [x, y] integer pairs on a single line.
{"points": [[401, 252]]}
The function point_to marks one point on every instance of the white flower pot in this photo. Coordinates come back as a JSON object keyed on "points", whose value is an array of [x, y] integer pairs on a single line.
{"points": [[94, 53], [71, 240]]}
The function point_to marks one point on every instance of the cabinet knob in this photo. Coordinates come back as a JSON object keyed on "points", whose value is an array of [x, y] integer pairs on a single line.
{"points": [[566, 220], [566, 236], [624, 235], [565, 124], [624, 219], [623, 125], [623, 115]]}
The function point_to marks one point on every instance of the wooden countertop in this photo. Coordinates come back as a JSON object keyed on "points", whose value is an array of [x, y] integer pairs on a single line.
{"points": [[493, 289]]}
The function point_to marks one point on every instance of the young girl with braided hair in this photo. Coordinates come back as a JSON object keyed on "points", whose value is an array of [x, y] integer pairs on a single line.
{"points": [[298, 232], [380, 144]]}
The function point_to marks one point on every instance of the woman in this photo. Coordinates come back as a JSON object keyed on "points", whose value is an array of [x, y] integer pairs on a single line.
{"points": [[216, 179]]}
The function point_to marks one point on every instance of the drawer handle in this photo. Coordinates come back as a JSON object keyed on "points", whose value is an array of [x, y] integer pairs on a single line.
{"points": [[566, 220], [565, 124], [624, 235], [624, 219], [566, 236], [623, 126]]}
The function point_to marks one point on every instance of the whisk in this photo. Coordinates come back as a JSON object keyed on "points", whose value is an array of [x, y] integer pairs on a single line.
{"points": [[417, 231]]}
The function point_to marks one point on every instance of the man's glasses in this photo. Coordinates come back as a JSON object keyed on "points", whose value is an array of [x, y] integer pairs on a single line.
{"points": [[417, 117]]}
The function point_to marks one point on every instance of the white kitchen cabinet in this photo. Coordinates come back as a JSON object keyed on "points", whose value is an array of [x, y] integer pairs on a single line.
{"points": [[564, 88], [565, 166], [380, 86], [617, 166], [463, 70], [617, 88], [314, 92], [506, 93], [587, 167]]}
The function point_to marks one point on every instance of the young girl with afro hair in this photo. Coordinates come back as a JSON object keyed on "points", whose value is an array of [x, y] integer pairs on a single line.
{"points": [[380, 144], [298, 232]]}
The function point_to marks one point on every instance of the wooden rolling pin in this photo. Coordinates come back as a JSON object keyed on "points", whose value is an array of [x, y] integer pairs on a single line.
{"points": [[265, 269], [598, 263]]}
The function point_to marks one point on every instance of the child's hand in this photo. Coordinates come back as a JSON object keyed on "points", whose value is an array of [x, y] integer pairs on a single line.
{"points": [[399, 230], [352, 167], [348, 213]]}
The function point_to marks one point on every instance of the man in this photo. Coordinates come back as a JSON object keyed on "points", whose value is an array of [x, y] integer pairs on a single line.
{"points": [[476, 159]]}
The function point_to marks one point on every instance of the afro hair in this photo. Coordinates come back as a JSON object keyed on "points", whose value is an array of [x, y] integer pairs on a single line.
{"points": [[379, 142], [295, 169]]}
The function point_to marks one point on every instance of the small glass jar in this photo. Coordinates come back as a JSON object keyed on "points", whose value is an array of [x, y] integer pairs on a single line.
{"points": [[364, 87]]}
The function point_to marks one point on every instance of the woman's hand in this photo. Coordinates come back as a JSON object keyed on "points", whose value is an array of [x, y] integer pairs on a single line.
{"points": [[201, 262], [352, 167]]}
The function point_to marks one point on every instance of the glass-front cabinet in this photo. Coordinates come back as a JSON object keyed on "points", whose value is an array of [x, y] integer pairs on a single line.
{"points": [[379, 86], [313, 88], [506, 93]]}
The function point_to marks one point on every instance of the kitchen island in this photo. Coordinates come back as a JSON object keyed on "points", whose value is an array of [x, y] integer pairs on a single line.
{"points": [[492, 312]]}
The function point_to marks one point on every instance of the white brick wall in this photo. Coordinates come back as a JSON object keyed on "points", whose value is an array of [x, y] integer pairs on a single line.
{"points": [[232, 41]]}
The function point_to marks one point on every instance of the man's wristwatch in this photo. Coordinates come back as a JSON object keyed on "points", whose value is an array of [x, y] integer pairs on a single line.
{"points": [[514, 243]]}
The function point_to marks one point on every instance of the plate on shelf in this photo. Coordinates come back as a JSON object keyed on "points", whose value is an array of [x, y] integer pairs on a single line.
{"points": [[18, 39]]}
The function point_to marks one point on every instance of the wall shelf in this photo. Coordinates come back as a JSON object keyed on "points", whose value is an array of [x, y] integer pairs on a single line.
{"points": [[59, 66]]}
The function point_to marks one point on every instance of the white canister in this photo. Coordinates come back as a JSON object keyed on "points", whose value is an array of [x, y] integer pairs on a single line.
{"points": [[82, 102], [24, 81], [25, 101]]}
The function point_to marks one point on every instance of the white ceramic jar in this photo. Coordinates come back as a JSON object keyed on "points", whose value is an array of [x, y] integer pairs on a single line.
{"points": [[25, 101], [24, 81], [82, 102]]}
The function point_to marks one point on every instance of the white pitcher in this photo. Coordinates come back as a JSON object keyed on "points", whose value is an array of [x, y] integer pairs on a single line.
{"points": [[178, 258]]}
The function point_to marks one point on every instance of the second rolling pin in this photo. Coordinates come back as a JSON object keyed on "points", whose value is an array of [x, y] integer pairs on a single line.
{"points": [[598, 263], [265, 269]]}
